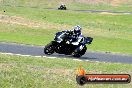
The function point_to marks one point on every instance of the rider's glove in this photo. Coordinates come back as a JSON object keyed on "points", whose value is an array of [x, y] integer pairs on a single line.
{"points": [[68, 42]]}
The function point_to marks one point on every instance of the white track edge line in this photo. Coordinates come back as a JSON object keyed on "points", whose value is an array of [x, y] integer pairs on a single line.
{"points": [[45, 56]]}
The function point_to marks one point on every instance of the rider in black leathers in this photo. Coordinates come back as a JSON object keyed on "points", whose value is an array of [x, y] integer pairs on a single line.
{"points": [[76, 36]]}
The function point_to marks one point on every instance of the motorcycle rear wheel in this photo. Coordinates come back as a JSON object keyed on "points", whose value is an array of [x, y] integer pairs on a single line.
{"points": [[79, 53]]}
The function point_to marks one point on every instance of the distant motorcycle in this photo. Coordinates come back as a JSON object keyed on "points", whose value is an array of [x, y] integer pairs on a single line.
{"points": [[62, 7], [61, 46]]}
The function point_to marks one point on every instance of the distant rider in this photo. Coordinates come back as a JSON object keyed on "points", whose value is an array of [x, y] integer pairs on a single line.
{"points": [[62, 5]]}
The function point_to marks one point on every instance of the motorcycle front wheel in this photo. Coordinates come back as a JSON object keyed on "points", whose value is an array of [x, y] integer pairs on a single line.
{"points": [[49, 49]]}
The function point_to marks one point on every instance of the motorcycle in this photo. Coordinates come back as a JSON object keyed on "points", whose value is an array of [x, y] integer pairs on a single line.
{"points": [[65, 47], [62, 7]]}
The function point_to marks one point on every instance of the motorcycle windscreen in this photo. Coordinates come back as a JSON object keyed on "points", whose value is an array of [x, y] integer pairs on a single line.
{"points": [[59, 36]]}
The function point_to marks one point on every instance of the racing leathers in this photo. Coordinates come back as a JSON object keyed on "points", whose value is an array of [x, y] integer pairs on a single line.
{"points": [[73, 38]]}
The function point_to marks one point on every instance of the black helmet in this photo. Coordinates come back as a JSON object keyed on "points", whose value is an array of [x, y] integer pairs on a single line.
{"points": [[77, 30]]}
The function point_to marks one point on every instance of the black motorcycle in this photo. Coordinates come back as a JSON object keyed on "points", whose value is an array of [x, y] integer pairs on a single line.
{"points": [[62, 47], [62, 7]]}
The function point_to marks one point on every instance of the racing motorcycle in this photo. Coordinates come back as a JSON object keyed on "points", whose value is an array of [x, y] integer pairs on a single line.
{"points": [[64, 46], [62, 7]]}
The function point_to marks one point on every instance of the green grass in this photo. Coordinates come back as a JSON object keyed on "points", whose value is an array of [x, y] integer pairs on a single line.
{"points": [[72, 4], [86, 6], [28, 72], [22, 34], [111, 45], [89, 20]]}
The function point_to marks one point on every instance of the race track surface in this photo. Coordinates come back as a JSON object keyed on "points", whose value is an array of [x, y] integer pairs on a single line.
{"points": [[95, 11], [38, 51]]}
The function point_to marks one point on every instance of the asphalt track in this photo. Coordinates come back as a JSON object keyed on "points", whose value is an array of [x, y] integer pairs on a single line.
{"points": [[109, 11], [38, 51], [95, 11]]}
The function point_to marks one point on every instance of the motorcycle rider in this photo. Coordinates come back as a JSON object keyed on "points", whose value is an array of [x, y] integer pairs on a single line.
{"points": [[76, 36], [62, 6], [76, 43]]}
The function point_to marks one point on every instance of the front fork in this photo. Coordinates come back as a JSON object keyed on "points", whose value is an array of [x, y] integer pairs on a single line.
{"points": [[80, 48]]}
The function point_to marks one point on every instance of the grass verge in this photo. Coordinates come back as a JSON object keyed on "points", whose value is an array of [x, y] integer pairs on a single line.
{"points": [[27, 72]]}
